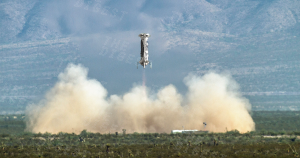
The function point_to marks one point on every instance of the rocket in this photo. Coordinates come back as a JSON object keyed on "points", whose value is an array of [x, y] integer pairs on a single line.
{"points": [[144, 50]]}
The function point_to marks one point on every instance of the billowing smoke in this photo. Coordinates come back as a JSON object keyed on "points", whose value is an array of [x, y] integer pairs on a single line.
{"points": [[76, 103]]}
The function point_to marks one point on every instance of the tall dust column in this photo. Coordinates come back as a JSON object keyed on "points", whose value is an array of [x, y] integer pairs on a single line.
{"points": [[76, 103], [215, 99], [73, 104]]}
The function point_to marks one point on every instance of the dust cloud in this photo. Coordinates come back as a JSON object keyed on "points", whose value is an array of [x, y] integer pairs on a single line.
{"points": [[76, 103]]}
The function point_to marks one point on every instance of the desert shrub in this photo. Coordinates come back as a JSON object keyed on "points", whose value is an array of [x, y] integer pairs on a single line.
{"points": [[38, 135], [84, 133], [297, 133], [233, 132], [283, 132], [263, 132], [272, 133], [45, 135], [26, 134], [4, 135]]}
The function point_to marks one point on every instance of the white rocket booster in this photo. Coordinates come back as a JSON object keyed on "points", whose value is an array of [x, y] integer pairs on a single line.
{"points": [[144, 50]]}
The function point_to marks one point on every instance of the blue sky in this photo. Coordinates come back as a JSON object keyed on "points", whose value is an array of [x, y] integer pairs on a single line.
{"points": [[256, 41]]}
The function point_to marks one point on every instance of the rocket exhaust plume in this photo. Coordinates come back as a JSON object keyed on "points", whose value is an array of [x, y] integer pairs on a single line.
{"points": [[76, 103], [144, 81]]}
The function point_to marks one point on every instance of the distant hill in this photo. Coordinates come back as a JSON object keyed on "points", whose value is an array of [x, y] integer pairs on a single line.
{"points": [[256, 41]]}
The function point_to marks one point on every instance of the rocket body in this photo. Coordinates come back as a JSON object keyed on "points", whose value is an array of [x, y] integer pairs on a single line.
{"points": [[144, 49]]}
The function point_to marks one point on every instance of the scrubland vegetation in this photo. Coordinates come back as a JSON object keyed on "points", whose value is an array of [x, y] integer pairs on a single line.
{"points": [[276, 135]]}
